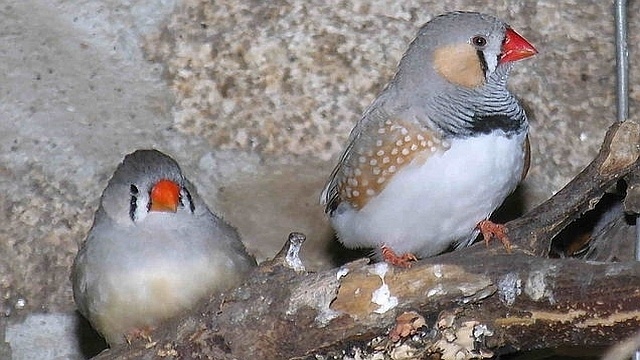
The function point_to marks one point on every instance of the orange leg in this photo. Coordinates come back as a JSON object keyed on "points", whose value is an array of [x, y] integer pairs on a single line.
{"points": [[139, 333], [403, 261], [492, 230]]}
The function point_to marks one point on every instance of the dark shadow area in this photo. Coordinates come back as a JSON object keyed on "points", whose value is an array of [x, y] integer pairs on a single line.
{"points": [[90, 342], [511, 208], [604, 233], [339, 255], [568, 353]]}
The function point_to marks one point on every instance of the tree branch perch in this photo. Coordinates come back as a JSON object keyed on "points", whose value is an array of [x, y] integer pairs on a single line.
{"points": [[474, 302]]}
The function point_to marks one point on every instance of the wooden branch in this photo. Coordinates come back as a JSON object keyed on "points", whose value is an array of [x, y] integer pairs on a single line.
{"points": [[618, 156], [513, 300], [465, 304]]}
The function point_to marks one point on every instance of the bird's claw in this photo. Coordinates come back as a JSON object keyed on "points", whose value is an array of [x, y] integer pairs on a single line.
{"points": [[492, 230], [403, 261]]}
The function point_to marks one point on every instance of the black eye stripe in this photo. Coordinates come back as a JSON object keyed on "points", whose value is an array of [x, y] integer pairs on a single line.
{"points": [[483, 62], [133, 202], [192, 207]]}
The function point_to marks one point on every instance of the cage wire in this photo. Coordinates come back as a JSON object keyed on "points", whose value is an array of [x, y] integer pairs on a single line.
{"points": [[622, 90]]}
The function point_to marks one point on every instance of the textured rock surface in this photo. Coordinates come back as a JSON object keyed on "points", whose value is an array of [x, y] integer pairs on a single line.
{"points": [[254, 99]]}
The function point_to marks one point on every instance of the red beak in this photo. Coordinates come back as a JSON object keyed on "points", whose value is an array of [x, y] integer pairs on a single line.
{"points": [[165, 196], [515, 47]]}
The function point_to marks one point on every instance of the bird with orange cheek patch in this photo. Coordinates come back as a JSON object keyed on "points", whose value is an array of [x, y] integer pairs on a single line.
{"points": [[154, 250], [439, 149]]}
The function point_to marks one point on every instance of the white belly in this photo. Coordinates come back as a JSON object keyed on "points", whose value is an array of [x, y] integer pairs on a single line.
{"points": [[427, 207]]}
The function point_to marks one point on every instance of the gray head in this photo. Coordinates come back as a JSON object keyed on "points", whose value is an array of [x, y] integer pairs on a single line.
{"points": [[462, 57], [146, 180], [458, 48]]}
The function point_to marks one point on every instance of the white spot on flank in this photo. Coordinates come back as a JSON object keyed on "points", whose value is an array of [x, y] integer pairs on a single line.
{"points": [[399, 143], [394, 151], [414, 147], [391, 169], [405, 151], [380, 153], [356, 193], [407, 138], [370, 192], [385, 160], [381, 131], [376, 171], [378, 143], [399, 160], [433, 149], [373, 162], [357, 172], [381, 179], [420, 137], [362, 159]]}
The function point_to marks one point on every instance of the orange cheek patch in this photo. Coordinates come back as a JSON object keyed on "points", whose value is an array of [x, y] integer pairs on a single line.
{"points": [[459, 64], [165, 196]]}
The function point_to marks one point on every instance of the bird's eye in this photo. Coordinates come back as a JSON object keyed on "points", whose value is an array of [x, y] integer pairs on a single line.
{"points": [[133, 189], [479, 41]]}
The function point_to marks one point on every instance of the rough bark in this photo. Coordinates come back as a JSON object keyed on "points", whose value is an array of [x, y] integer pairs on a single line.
{"points": [[466, 304]]}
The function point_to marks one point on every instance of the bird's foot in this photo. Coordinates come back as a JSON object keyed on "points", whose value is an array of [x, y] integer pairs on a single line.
{"points": [[139, 333], [403, 261], [492, 230]]}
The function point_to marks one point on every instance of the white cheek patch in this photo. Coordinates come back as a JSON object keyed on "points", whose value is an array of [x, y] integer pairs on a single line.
{"points": [[492, 63]]}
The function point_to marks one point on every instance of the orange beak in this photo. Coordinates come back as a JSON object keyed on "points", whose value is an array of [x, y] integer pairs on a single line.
{"points": [[515, 47], [165, 196]]}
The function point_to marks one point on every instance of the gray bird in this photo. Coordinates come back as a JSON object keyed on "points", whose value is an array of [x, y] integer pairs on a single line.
{"points": [[154, 250], [439, 149]]}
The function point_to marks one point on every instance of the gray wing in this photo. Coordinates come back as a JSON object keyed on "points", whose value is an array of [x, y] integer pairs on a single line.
{"points": [[330, 196]]}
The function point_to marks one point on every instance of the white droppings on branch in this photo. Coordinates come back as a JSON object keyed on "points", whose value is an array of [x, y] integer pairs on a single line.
{"points": [[317, 295], [459, 342], [437, 271], [382, 296], [436, 290], [292, 259], [342, 272], [509, 288], [539, 284]]}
